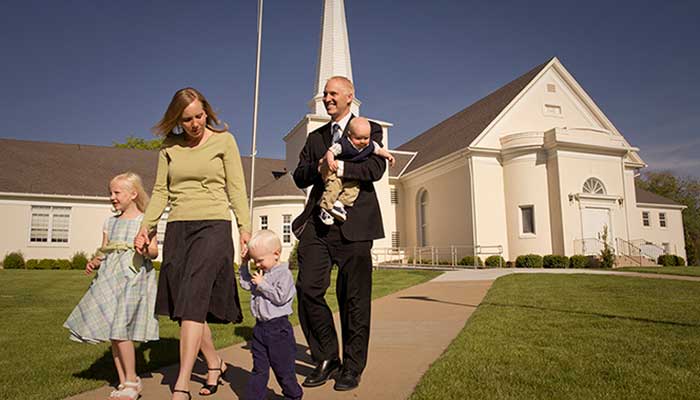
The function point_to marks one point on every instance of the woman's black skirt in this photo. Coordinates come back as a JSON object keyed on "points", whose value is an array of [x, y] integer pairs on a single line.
{"points": [[197, 281]]}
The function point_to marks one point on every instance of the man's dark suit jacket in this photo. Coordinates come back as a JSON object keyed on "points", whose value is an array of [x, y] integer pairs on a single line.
{"points": [[364, 220]]}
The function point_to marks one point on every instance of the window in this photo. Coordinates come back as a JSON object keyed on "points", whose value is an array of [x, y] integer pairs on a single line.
{"points": [[527, 219], [263, 222], [286, 228], [50, 224], [422, 217], [394, 196], [662, 220], [551, 109], [162, 224], [395, 240], [645, 218], [593, 186]]}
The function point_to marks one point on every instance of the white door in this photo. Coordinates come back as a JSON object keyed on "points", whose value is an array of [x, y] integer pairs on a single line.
{"points": [[594, 219]]}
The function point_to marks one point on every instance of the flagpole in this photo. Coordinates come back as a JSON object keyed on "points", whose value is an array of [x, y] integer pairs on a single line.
{"points": [[254, 150]]}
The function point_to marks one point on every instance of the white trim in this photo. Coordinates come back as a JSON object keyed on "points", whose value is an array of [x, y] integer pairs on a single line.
{"points": [[666, 206], [53, 196]]}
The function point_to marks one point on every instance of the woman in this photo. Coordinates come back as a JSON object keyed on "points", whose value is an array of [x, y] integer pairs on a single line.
{"points": [[199, 174]]}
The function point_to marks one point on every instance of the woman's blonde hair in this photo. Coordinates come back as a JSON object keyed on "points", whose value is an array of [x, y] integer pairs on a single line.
{"points": [[182, 99], [136, 184]]}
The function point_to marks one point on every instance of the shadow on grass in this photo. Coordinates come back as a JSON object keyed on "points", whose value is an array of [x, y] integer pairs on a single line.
{"points": [[609, 316], [425, 298]]}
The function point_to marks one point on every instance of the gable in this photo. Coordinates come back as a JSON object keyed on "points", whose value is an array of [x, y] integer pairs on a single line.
{"points": [[459, 131], [553, 99]]}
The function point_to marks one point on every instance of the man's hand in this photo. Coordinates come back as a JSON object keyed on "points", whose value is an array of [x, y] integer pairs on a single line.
{"points": [[391, 159], [330, 160]]}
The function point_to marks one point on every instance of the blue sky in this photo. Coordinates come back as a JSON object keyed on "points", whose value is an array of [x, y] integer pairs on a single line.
{"points": [[94, 72]]}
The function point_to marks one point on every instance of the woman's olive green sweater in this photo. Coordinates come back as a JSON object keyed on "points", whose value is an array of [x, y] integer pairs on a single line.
{"points": [[199, 183]]}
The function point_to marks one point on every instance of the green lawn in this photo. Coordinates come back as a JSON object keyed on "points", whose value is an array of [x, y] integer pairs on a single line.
{"points": [[39, 362], [574, 337], [687, 271]]}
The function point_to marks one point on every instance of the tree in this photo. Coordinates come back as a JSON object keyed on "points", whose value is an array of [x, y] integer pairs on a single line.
{"points": [[685, 191], [133, 142]]}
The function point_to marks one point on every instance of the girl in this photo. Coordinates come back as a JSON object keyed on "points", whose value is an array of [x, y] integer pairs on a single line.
{"points": [[119, 305]]}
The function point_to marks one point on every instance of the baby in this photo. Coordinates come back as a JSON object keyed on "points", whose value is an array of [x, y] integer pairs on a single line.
{"points": [[356, 146]]}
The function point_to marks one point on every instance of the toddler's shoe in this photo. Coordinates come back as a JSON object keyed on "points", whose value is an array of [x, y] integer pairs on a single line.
{"points": [[326, 218], [339, 212]]}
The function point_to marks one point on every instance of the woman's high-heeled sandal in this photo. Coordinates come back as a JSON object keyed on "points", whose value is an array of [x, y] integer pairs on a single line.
{"points": [[189, 396], [212, 388]]}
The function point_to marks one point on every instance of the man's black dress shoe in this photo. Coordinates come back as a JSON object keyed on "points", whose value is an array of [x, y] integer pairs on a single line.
{"points": [[320, 374], [347, 380]]}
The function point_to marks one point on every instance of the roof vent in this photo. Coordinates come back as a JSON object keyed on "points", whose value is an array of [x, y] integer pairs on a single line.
{"points": [[551, 88]]}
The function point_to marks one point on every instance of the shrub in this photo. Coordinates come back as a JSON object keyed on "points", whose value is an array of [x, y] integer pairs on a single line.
{"points": [[62, 264], [529, 261], [293, 259], [46, 263], [79, 260], [14, 260], [578, 261], [495, 261], [666, 260], [680, 261], [555, 261], [607, 256], [31, 264], [469, 260]]}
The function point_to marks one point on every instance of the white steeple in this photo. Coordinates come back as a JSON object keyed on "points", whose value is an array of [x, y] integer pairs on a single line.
{"points": [[333, 54]]}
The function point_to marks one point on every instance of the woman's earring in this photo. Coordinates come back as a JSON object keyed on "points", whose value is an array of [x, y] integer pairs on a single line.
{"points": [[177, 130]]}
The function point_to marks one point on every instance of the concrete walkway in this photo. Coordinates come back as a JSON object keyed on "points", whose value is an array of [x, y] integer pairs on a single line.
{"points": [[410, 329]]}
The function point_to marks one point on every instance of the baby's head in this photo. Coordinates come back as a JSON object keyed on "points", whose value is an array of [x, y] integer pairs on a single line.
{"points": [[264, 249], [359, 132]]}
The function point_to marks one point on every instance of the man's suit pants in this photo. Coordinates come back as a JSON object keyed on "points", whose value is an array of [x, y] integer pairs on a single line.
{"points": [[320, 247]]}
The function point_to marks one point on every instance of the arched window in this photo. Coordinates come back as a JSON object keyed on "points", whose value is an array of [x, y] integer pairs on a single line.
{"points": [[422, 220], [593, 186]]}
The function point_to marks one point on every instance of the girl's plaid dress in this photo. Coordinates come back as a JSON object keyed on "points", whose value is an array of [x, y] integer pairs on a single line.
{"points": [[120, 303]]}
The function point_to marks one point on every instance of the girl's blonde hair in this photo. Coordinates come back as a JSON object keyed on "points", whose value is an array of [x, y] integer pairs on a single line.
{"points": [[265, 240], [180, 101], [136, 184]]}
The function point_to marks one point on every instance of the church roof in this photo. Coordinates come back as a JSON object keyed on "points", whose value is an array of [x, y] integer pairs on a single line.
{"points": [[85, 170], [459, 131], [403, 160], [644, 196]]}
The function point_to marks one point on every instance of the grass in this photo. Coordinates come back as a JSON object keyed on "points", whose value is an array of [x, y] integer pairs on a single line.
{"points": [[686, 271], [39, 362], [574, 337]]}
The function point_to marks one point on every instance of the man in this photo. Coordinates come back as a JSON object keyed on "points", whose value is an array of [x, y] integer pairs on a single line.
{"points": [[345, 244]]}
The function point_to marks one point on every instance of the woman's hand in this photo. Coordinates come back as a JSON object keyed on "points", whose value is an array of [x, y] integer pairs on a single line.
{"points": [[245, 237], [142, 240]]}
